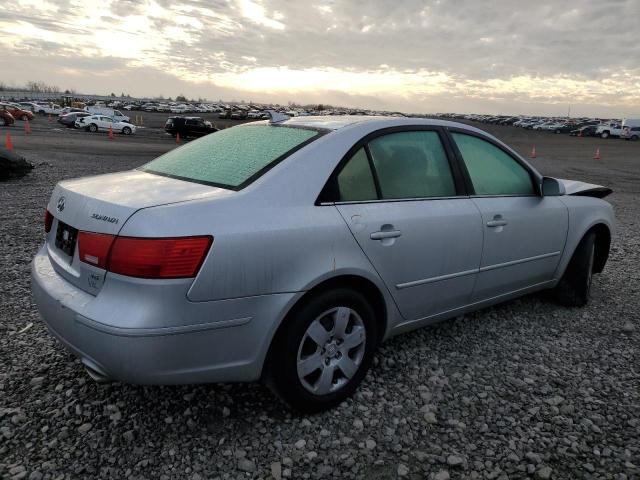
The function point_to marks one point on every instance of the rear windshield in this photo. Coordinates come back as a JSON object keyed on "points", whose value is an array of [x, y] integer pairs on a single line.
{"points": [[234, 157]]}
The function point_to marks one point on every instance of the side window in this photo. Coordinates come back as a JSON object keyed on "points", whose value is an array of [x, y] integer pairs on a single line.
{"points": [[355, 180], [492, 171], [412, 165]]}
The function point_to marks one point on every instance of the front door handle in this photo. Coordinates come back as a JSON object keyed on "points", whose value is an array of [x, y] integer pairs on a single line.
{"points": [[381, 235]]}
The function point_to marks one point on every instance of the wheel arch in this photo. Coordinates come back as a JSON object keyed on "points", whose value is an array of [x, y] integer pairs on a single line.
{"points": [[358, 283]]}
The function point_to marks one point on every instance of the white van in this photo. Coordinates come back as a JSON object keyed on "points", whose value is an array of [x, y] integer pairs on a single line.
{"points": [[630, 129], [108, 112]]}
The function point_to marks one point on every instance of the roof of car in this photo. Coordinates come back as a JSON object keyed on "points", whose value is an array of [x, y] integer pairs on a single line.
{"points": [[336, 122]]}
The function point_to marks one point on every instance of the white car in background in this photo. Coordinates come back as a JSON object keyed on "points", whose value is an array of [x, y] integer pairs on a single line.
{"points": [[101, 123], [47, 109]]}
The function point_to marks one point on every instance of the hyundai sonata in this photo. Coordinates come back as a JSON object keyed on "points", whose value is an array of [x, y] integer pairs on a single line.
{"points": [[287, 250]]}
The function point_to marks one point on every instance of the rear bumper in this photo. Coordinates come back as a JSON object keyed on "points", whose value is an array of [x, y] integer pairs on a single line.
{"points": [[227, 341]]}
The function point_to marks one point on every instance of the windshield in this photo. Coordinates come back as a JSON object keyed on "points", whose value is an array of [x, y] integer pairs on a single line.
{"points": [[234, 157]]}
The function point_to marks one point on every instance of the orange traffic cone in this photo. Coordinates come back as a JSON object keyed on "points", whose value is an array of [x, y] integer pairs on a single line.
{"points": [[177, 137], [27, 127], [597, 155], [8, 144], [533, 152], [110, 133], [49, 118]]}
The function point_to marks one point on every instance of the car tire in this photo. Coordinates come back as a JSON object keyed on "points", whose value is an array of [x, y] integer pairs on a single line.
{"points": [[340, 363], [3, 122], [24, 118], [635, 138], [557, 131], [126, 131], [575, 285], [605, 135], [93, 128]]}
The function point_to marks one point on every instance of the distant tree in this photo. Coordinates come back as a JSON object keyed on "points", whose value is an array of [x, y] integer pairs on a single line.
{"points": [[112, 95], [181, 98], [320, 107]]}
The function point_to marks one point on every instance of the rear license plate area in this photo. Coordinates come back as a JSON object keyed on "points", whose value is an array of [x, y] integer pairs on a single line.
{"points": [[66, 238]]}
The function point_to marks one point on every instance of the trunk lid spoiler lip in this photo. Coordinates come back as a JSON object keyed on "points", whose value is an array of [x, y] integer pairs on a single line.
{"points": [[574, 187]]}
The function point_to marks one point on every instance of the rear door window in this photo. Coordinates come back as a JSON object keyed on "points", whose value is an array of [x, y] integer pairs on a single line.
{"points": [[412, 165], [355, 180], [233, 157]]}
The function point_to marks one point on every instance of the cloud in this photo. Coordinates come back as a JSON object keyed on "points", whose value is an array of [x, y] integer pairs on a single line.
{"points": [[421, 56]]}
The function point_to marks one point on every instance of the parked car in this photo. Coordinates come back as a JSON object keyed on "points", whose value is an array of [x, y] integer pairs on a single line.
{"points": [[609, 130], [225, 114], [17, 112], [48, 109], [630, 133], [630, 128], [188, 127], [287, 252], [102, 123], [238, 115], [563, 128], [585, 131], [6, 119], [69, 120], [66, 110], [108, 112]]}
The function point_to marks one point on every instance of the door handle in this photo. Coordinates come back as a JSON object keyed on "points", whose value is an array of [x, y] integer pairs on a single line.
{"points": [[497, 221], [381, 235]]}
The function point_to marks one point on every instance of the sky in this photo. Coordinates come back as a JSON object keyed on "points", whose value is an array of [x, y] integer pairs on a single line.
{"points": [[498, 56]]}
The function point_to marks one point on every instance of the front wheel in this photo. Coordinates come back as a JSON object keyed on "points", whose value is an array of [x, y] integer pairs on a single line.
{"points": [[93, 128], [605, 135], [323, 351], [24, 118], [126, 131], [575, 285], [3, 122]]}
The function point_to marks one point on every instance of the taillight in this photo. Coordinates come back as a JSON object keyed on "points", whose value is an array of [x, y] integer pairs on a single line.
{"points": [[93, 248], [158, 257], [48, 221]]}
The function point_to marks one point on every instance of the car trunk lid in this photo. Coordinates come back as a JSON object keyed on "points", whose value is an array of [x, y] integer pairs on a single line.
{"points": [[102, 204]]}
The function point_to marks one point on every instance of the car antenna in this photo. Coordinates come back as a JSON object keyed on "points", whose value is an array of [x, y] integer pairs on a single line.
{"points": [[277, 117]]}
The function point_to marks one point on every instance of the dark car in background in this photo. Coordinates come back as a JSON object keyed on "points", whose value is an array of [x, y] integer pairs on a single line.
{"points": [[188, 127], [69, 120], [586, 131]]}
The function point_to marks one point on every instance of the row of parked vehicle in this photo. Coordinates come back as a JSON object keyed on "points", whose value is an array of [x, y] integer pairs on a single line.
{"points": [[628, 128]]}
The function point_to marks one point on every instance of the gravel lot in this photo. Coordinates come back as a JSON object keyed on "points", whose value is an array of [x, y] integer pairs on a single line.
{"points": [[523, 390]]}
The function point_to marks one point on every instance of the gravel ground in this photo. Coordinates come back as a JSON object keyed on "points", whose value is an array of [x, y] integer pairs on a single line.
{"points": [[526, 389]]}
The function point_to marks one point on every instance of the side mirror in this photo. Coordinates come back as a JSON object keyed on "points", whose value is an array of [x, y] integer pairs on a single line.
{"points": [[552, 187]]}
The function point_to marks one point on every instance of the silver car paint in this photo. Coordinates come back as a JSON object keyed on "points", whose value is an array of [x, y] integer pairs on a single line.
{"points": [[271, 244]]}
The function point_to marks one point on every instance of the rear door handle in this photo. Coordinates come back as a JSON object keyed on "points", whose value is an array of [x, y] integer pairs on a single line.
{"points": [[381, 235], [496, 223]]}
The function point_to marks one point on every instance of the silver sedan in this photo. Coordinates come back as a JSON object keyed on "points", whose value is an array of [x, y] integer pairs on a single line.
{"points": [[287, 250]]}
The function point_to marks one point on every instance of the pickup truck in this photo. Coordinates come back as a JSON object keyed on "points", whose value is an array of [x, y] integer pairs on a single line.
{"points": [[47, 109], [609, 130]]}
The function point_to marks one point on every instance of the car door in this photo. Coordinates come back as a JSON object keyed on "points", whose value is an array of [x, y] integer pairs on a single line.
{"points": [[402, 197], [524, 232]]}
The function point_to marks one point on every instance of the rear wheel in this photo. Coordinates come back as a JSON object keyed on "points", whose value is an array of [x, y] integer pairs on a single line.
{"points": [[323, 351], [575, 285], [605, 135], [3, 121], [635, 138], [93, 128]]}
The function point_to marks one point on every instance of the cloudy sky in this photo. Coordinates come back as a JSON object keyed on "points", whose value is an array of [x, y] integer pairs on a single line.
{"points": [[499, 56]]}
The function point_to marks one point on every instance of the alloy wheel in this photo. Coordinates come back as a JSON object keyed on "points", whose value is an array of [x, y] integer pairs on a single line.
{"points": [[331, 350]]}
